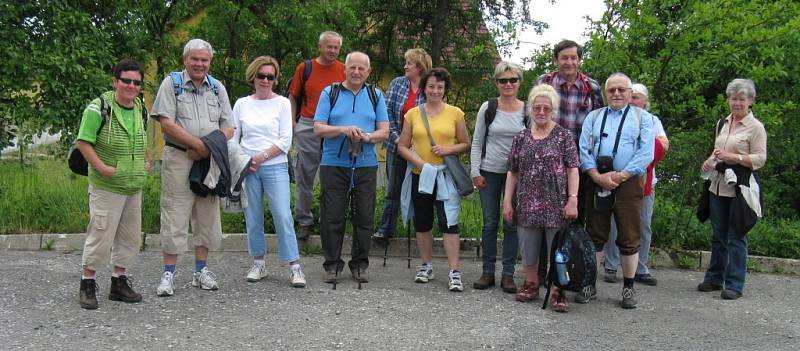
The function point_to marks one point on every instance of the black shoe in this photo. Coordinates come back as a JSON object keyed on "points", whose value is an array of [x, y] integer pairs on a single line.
{"points": [[360, 276], [303, 232], [629, 300], [610, 276], [729, 294], [122, 291], [706, 287], [381, 236], [88, 294], [646, 279], [586, 294]]}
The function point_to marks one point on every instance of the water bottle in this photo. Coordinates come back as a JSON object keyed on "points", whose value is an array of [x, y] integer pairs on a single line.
{"points": [[561, 268], [706, 175]]}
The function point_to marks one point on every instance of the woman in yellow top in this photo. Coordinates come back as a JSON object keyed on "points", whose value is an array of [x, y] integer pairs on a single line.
{"points": [[429, 178]]}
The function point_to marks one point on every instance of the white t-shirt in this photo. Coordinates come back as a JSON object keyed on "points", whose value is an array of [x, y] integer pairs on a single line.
{"points": [[262, 123]]}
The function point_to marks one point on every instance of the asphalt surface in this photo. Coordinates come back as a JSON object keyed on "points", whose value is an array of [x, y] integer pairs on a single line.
{"points": [[39, 310]]}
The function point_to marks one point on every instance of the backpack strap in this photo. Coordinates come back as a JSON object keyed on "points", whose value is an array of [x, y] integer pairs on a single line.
{"points": [[105, 113], [526, 119], [488, 118], [177, 83], [333, 96], [214, 84], [373, 97], [336, 89]]}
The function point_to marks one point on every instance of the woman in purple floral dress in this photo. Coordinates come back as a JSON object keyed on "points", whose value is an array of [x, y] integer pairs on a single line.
{"points": [[543, 177]]}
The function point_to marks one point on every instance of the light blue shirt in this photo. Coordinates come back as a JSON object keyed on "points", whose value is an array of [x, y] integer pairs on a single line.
{"points": [[636, 144], [445, 192], [351, 109]]}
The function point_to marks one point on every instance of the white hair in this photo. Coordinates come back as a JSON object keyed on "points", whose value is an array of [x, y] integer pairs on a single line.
{"points": [[330, 33], [620, 75], [347, 58], [197, 44]]}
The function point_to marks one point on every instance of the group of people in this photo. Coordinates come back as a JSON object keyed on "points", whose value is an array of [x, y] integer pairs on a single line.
{"points": [[561, 155]]}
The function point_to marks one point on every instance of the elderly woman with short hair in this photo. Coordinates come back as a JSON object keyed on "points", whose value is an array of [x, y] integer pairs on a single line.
{"points": [[740, 144], [543, 176], [499, 120]]}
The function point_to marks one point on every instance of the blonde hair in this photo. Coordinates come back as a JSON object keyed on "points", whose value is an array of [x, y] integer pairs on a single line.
{"points": [[253, 67], [544, 90], [420, 58]]}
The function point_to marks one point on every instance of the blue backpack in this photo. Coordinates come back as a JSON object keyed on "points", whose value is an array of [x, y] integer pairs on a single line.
{"points": [[177, 83]]}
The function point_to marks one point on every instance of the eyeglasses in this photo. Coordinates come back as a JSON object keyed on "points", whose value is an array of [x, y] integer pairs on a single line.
{"points": [[542, 108], [129, 81], [265, 76], [502, 81], [617, 90]]}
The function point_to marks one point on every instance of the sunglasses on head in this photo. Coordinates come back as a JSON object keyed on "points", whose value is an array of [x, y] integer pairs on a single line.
{"points": [[265, 76], [507, 80], [129, 81]]}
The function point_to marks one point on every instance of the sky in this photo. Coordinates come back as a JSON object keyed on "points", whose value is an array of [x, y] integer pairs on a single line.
{"points": [[566, 21]]}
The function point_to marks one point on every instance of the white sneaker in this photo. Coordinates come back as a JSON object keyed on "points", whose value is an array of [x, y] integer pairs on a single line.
{"points": [[256, 273], [205, 280], [297, 277], [424, 274], [455, 281], [167, 285]]}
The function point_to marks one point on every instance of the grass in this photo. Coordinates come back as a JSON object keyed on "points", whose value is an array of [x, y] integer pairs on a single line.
{"points": [[43, 196]]}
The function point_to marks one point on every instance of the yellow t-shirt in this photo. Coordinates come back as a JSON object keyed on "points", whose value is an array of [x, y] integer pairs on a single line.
{"points": [[443, 129]]}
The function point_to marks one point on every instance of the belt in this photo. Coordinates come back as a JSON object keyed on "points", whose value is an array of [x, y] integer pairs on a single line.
{"points": [[176, 146]]}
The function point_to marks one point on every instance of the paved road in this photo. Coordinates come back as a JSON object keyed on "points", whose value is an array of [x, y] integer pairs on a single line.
{"points": [[39, 310]]}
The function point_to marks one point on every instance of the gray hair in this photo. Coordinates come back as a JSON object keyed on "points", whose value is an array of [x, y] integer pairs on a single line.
{"points": [[504, 66], [330, 33], [347, 58], [741, 86], [641, 89], [545, 90], [197, 44], [620, 75]]}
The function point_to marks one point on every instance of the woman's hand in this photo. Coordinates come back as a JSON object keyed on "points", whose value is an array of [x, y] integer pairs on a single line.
{"points": [[709, 164], [726, 156], [508, 213], [479, 182], [107, 171], [570, 211], [442, 150]]}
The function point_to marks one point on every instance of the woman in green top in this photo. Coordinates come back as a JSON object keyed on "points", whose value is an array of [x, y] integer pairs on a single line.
{"points": [[112, 139]]}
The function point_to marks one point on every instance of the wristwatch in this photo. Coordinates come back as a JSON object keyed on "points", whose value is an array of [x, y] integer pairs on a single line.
{"points": [[741, 158]]}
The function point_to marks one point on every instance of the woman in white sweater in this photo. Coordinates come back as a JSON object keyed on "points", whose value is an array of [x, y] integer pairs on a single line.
{"points": [[263, 124]]}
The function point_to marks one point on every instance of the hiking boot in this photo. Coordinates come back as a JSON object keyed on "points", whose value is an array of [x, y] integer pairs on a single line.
{"points": [[528, 292], [628, 298], [587, 294], [610, 276], [646, 279], [558, 301], [424, 274], [167, 285], [205, 279], [303, 232], [122, 291], [360, 275], [256, 273], [729, 294], [706, 287], [88, 294], [455, 281], [380, 236], [507, 284], [329, 277], [297, 277], [484, 282]]}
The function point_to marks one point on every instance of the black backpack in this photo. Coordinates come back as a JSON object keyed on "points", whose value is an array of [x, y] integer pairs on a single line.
{"points": [[491, 112], [336, 88], [77, 163], [299, 99], [573, 245]]}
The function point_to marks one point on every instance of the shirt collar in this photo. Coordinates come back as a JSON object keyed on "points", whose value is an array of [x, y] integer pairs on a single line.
{"points": [[746, 121]]}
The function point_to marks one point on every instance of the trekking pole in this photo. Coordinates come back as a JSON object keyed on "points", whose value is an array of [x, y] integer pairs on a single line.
{"points": [[385, 251], [353, 216]]}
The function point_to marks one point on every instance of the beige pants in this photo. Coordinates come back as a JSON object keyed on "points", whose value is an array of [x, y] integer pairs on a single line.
{"points": [[115, 226], [180, 207]]}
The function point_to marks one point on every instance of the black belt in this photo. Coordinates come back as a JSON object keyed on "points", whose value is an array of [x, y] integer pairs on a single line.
{"points": [[176, 146]]}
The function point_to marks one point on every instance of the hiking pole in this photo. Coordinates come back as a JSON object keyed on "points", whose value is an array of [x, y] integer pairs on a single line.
{"points": [[385, 252], [354, 213], [335, 279]]}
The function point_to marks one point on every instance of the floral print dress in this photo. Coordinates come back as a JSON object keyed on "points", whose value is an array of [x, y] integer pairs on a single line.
{"points": [[541, 166]]}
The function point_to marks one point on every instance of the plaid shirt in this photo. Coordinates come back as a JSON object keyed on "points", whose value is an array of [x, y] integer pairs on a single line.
{"points": [[577, 100], [396, 97]]}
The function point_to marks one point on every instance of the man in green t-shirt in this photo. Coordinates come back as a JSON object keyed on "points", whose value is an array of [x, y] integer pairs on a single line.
{"points": [[115, 151]]}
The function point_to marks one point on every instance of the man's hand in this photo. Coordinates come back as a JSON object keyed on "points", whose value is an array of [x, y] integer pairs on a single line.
{"points": [[479, 182], [606, 180], [106, 170]]}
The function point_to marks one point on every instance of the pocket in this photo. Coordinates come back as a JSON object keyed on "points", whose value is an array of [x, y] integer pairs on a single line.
{"points": [[212, 106], [184, 106], [99, 220], [131, 172]]}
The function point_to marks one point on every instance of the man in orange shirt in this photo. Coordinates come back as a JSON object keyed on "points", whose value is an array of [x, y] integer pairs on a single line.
{"points": [[325, 70]]}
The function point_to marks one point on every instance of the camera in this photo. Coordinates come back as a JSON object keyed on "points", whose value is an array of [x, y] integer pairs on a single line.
{"points": [[605, 164]]}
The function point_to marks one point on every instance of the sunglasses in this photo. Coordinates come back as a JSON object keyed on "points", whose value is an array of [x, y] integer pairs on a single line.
{"points": [[507, 80], [616, 90], [129, 81], [265, 76], [545, 109]]}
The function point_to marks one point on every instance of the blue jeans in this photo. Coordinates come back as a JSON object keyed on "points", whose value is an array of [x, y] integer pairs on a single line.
{"points": [[646, 234], [270, 182], [490, 204], [728, 252], [395, 172]]}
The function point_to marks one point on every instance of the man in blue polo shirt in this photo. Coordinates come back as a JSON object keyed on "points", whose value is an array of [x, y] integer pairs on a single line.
{"points": [[616, 145], [350, 118]]}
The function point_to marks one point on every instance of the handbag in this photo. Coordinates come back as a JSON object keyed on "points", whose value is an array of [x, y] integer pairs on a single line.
{"points": [[454, 166], [704, 203]]}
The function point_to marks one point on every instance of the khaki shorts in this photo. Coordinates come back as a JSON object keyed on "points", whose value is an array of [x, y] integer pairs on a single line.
{"points": [[115, 228], [180, 207]]}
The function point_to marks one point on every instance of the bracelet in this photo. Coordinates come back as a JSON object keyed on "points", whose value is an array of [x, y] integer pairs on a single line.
{"points": [[266, 155], [573, 195], [369, 137]]}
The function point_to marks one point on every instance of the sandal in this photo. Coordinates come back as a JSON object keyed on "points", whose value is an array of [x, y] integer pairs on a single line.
{"points": [[559, 302], [528, 292]]}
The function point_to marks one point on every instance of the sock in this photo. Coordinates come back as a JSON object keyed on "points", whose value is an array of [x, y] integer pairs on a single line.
{"points": [[260, 263], [88, 277], [169, 268], [117, 275], [429, 264], [294, 265], [199, 265], [627, 282]]}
